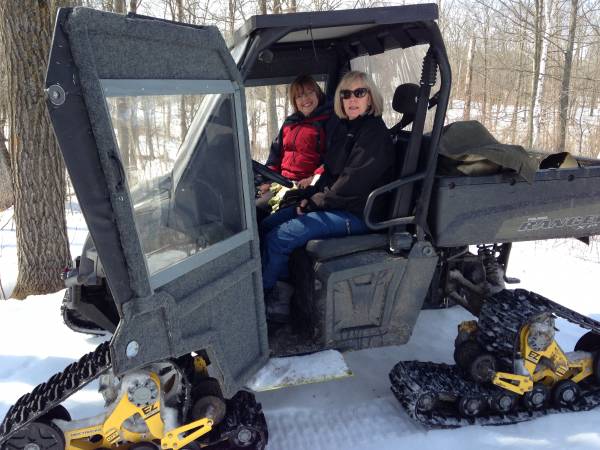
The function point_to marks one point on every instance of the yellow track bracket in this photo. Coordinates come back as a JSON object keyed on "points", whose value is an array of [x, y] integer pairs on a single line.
{"points": [[112, 433], [173, 439]]}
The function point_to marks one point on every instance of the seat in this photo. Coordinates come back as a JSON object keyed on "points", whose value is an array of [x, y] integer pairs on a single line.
{"points": [[348, 289]]}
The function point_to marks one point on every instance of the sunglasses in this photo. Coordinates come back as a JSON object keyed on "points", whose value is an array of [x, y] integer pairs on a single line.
{"points": [[358, 93]]}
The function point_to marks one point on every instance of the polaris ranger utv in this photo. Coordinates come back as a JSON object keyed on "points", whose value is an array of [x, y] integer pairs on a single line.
{"points": [[172, 263]]}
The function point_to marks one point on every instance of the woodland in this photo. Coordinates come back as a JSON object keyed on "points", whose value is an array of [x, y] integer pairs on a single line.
{"points": [[527, 69]]}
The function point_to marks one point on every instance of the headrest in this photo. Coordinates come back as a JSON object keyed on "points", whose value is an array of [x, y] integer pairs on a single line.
{"points": [[405, 98]]}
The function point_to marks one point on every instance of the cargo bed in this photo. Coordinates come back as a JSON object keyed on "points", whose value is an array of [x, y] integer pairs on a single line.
{"points": [[559, 203]]}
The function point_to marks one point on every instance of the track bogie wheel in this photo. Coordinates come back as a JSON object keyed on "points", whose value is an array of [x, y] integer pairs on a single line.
{"points": [[537, 398], [146, 445], [58, 412], [426, 402], [465, 353], [589, 342], [206, 386], [565, 393], [503, 402], [37, 436], [483, 368], [471, 406]]}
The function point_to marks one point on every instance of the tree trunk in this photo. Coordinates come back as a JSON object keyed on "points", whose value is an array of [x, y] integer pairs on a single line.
{"points": [[231, 19], [540, 116], [566, 78], [469, 80], [38, 172], [514, 122], [484, 103], [182, 107], [270, 94], [119, 7], [538, 38], [6, 189]]}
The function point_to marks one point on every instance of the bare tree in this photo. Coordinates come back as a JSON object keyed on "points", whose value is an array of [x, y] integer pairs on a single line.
{"points": [[538, 113], [566, 77], [538, 39], [271, 94], [469, 80], [6, 189], [38, 172]]}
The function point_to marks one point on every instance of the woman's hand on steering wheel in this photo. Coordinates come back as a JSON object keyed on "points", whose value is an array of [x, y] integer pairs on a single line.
{"points": [[305, 182]]}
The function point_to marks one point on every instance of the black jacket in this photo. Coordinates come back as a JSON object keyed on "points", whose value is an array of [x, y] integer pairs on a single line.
{"points": [[360, 158]]}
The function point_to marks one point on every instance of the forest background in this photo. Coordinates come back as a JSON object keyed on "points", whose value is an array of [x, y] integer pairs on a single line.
{"points": [[529, 70]]}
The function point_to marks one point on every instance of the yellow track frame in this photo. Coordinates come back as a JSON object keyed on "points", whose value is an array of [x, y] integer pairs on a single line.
{"points": [[560, 367], [112, 432]]}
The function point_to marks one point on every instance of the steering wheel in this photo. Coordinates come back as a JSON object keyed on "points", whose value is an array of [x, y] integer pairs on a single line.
{"points": [[271, 175]]}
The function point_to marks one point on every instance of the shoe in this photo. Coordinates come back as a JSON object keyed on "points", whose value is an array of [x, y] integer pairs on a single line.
{"points": [[278, 302]]}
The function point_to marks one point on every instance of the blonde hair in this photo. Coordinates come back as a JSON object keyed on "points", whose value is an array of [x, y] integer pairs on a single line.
{"points": [[298, 86], [346, 81]]}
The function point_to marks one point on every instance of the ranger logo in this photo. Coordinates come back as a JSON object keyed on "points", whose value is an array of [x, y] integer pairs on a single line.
{"points": [[547, 223]]}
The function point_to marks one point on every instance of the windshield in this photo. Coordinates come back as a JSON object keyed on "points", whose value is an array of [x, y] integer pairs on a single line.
{"points": [[391, 69], [179, 151]]}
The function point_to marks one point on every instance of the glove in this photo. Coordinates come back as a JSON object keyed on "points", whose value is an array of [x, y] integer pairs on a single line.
{"points": [[293, 197]]}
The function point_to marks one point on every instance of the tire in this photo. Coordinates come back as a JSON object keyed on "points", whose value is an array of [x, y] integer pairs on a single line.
{"points": [[483, 368], [58, 412], [537, 398], [565, 393], [426, 402], [465, 353], [471, 406], [503, 402], [589, 342]]}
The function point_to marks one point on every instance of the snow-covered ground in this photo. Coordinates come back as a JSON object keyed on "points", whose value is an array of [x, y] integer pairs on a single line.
{"points": [[358, 412]]}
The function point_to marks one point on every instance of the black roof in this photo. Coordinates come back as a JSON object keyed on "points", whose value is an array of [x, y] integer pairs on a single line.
{"points": [[319, 43], [368, 17]]}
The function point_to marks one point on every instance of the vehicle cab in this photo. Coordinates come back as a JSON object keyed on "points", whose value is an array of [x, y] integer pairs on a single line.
{"points": [[151, 118]]}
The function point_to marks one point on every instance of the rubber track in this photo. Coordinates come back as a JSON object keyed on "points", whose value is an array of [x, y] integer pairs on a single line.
{"points": [[242, 410], [500, 321], [57, 389]]}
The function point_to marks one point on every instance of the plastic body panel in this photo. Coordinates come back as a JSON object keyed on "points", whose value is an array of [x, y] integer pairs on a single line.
{"points": [[559, 203], [362, 300], [216, 306]]}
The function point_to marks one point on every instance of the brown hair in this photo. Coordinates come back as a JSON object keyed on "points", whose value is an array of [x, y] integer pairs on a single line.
{"points": [[346, 81], [297, 87]]}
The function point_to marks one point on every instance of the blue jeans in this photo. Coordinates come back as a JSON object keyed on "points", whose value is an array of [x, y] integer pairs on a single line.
{"points": [[284, 231]]}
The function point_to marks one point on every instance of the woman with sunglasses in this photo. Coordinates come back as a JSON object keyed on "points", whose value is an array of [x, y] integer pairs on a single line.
{"points": [[359, 160], [297, 151]]}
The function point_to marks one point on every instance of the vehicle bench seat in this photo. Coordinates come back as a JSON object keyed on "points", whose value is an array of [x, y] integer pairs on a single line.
{"points": [[324, 249]]}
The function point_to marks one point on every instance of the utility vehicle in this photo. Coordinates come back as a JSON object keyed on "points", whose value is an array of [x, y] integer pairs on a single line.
{"points": [[172, 264]]}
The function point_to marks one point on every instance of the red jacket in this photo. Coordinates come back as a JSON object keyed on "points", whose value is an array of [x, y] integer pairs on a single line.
{"points": [[297, 151]]}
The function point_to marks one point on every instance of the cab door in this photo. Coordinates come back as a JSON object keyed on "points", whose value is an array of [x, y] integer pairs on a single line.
{"points": [[150, 119]]}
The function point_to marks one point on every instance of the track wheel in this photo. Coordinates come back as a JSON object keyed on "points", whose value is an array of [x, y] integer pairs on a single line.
{"points": [[58, 412], [471, 405], [589, 342], [465, 352], [146, 445], [565, 393], [483, 368], [426, 402], [37, 436], [208, 401], [503, 402], [537, 398]]}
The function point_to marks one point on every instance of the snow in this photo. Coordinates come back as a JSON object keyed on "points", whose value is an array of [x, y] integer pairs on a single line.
{"points": [[357, 412], [292, 371]]}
